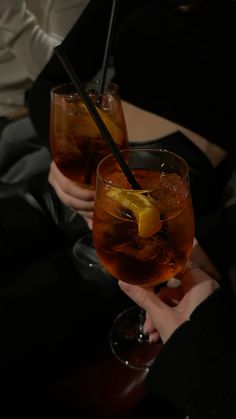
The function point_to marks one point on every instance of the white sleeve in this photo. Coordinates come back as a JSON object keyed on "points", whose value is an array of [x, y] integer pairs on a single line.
{"points": [[63, 15], [21, 33]]}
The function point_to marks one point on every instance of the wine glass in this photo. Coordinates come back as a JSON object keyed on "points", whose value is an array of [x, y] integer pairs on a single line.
{"points": [[77, 146], [142, 237]]}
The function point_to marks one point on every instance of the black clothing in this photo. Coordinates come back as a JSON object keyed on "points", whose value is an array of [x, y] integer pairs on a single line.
{"points": [[216, 232], [196, 367]]}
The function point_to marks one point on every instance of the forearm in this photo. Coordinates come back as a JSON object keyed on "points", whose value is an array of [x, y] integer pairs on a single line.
{"points": [[21, 34], [31, 39], [63, 14]]}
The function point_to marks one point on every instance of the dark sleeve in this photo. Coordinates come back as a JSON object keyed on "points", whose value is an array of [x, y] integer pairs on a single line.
{"points": [[196, 369], [84, 46], [216, 233]]}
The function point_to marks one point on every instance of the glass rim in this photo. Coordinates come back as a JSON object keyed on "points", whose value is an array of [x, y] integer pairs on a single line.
{"points": [[55, 90], [159, 150]]}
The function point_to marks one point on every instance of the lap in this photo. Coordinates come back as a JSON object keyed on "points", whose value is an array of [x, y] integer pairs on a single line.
{"points": [[145, 126]]}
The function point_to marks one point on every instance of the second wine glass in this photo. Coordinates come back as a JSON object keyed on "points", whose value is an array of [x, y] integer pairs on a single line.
{"points": [[77, 145], [142, 237]]}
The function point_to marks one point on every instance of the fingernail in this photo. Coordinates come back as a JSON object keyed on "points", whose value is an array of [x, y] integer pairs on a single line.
{"points": [[151, 339], [175, 301], [145, 329]]}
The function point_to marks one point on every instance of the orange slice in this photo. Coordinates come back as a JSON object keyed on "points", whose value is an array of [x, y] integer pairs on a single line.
{"points": [[143, 208], [89, 128], [114, 130]]}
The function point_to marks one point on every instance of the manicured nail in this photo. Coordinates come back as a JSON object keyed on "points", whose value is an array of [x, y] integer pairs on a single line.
{"points": [[146, 329]]}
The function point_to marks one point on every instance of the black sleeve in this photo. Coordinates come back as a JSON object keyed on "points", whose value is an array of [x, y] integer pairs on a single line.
{"points": [[196, 369], [84, 47], [216, 232]]}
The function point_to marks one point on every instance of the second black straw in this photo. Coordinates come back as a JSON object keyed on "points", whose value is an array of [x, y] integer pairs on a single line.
{"points": [[80, 88]]}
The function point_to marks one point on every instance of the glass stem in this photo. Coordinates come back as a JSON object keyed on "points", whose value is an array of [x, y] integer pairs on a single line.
{"points": [[142, 315]]}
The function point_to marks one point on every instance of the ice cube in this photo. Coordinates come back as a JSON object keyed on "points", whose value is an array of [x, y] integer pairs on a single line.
{"points": [[146, 250], [170, 195]]}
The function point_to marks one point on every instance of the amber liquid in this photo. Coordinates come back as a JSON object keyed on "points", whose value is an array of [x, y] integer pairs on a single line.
{"points": [[76, 144], [138, 260]]}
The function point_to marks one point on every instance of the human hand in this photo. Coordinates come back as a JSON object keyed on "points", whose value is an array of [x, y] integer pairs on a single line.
{"points": [[163, 319], [72, 195], [174, 291]]}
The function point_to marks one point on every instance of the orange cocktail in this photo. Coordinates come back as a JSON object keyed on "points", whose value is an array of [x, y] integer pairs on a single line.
{"points": [[76, 143], [144, 236]]}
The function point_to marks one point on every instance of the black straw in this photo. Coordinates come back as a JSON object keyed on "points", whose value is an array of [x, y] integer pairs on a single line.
{"points": [[108, 44], [97, 119]]}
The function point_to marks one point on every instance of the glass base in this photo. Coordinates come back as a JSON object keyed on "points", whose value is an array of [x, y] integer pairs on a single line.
{"points": [[128, 344]]}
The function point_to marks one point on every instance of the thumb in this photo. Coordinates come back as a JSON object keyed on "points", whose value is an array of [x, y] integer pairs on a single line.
{"points": [[163, 317], [144, 297]]}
